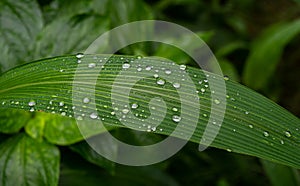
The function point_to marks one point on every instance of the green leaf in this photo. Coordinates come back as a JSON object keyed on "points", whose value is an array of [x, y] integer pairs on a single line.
{"points": [[20, 22], [35, 126], [253, 124], [8, 124], [280, 174], [76, 172], [69, 35], [175, 54], [266, 53], [122, 12], [24, 161], [84, 149], [64, 130]]}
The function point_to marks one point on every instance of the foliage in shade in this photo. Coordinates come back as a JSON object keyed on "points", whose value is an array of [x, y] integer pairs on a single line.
{"points": [[25, 161]]}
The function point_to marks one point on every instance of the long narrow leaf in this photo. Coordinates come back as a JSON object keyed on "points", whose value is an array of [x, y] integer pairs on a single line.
{"points": [[252, 125]]}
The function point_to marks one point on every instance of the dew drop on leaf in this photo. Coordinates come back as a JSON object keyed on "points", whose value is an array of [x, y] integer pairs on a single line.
{"points": [[167, 71], [125, 65], [79, 118], [176, 85], [125, 111], [79, 55], [182, 67], [265, 133], [216, 101], [176, 118], [174, 109], [31, 103], [288, 134], [148, 68], [229, 150], [93, 116], [134, 106], [160, 82], [92, 65], [86, 100]]}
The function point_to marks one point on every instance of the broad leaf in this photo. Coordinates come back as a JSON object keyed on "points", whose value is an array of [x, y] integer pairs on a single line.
{"points": [[10, 125], [20, 22], [24, 161], [252, 125], [69, 34]]}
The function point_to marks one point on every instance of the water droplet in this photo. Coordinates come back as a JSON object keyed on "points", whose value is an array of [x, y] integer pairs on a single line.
{"points": [[112, 113], [61, 103], [251, 126], [226, 78], [148, 68], [86, 100], [139, 69], [174, 109], [155, 75], [176, 118], [216, 101], [125, 111], [176, 85], [182, 67], [125, 65], [167, 71], [281, 142], [79, 118], [229, 150], [288, 134], [31, 103], [79, 55], [246, 112], [139, 57], [93, 116], [31, 109], [160, 82], [266, 134], [202, 90], [92, 65], [63, 113], [134, 106]]}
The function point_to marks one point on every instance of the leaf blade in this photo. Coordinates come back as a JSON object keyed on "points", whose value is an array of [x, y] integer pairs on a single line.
{"points": [[22, 156], [252, 125]]}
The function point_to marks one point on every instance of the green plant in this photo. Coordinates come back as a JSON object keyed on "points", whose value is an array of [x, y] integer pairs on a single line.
{"points": [[45, 138]]}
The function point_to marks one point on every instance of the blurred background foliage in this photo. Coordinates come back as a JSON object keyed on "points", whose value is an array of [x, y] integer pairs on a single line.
{"points": [[256, 42]]}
